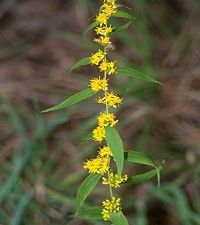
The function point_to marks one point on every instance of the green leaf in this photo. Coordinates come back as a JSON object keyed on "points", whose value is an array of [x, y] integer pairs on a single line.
{"points": [[80, 62], [139, 157], [114, 141], [118, 219], [126, 71], [143, 177], [86, 187], [82, 95], [122, 28], [124, 15], [20, 208], [142, 158], [90, 213], [91, 26]]}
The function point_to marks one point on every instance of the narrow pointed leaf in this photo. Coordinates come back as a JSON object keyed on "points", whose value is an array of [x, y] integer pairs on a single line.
{"points": [[86, 187], [82, 95], [126, 71], [123, 14], [91, 26], [80, 62], [114, 141], [118, 219], [142, 158], [140, 178], [122, 28], [139, 157], [90, 213]]}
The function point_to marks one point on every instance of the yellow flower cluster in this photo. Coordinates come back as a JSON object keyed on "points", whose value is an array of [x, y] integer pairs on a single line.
{"points": [[111, 99], [104, 120], [108, 67], [98, 165], [98, 84], [114, 180], [107, 119], [96, 58], [99, 134], [107, 9], [110, 206], [105, 151]]}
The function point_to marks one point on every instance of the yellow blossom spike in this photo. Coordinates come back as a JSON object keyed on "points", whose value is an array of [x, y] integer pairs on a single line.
{"points": [[105, 152], [98, 84], [107, 119], [110, 206], [97, 57], [108, 67], [102, 18], [99, 134], [103, 40], [98, 165], [111, 99], [104, 30], [114, 180], [109, 9]]}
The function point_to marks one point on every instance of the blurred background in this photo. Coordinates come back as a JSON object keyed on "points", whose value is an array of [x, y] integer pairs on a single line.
{"points": [[41, 154]]}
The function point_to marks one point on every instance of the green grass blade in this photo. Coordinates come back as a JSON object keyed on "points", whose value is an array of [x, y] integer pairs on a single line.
{"points": [[126, 71], [78, 97], [20, 208], [114, 141], [18, 167], [13, 116], [86, 187]]}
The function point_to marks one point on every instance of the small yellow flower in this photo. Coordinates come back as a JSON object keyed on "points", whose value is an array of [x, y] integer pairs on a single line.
{"points": [[111, 99], [103, 40], [98, 84], [108, 67], [109, 9], [99, 134], [107, 119], [102, 18], [97, 57], [114, 180], [110, 206], [105, 151], [98, 165], [105, 30]]}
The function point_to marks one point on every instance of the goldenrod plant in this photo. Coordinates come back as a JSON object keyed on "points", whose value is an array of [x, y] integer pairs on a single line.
{"points": [[108, 164]]}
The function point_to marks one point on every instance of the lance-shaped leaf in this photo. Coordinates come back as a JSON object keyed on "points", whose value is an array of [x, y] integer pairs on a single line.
{"points": [[118, 219], [122, 28], [91, 26], [139, 157], [82, 95], [123, 14], [90, 213], [86, 187], [114, 141], [126, 71], [140, 178], [142, 158], [79, 63]]}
